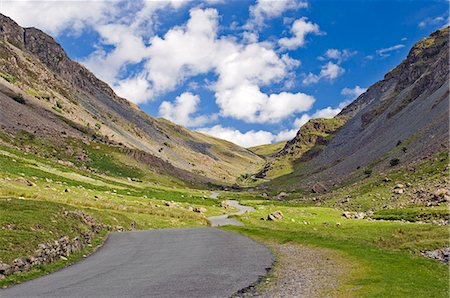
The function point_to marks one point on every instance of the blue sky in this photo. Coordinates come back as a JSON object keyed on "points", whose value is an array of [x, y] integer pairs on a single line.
{"points": [[251, 72]]}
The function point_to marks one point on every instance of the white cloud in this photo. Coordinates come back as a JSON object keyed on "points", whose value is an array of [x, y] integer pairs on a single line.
{"points": [[440, 20], [338, 55], [136, 89], [269, 9], [247, 139], [386, 51], [55, 16], [300, 28], [182, 109], [241, 69], [329, 71], [354, 92]]}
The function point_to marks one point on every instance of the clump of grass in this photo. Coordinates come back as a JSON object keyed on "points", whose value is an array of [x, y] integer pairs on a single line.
{"points": [[9, 78]]}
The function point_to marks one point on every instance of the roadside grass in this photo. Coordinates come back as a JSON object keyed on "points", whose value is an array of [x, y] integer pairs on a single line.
{"points": [[385, 255]]}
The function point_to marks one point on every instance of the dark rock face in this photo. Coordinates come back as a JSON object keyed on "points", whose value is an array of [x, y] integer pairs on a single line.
{"points": [[409, 108]]}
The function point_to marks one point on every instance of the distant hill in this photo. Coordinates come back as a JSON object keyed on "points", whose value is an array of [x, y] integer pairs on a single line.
{"points": [[46, 94], [397, 122]]}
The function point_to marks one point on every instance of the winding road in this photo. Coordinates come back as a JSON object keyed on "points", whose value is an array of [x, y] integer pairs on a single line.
{"points": [[197, 262], [223, 220]]}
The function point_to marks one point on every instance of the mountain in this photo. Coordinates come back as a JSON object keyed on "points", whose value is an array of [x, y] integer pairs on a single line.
{"points": [[397, 122], [47, 95]]}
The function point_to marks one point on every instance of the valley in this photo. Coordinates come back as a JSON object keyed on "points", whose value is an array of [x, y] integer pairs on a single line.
{"points": [[361, 198]]}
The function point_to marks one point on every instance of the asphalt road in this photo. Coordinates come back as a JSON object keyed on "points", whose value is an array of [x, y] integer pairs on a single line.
{"points": [[223, 220], [199, 262]]}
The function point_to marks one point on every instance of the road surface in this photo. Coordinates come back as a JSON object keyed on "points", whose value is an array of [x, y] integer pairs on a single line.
{"points": [[198, 262], [223, 220]]}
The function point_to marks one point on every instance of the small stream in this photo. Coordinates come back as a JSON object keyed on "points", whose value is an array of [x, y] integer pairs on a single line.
{"points": [[223, 220]]}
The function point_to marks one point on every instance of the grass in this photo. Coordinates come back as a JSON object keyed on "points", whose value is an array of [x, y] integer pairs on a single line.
{"points": [[385, 254], [268, 149]]}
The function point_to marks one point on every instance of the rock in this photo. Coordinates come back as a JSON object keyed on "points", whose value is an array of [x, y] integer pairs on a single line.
{"points": [[354, 215], [319, 188], [169, 204], [190, 208], [63, 258], [225, 204], [200, 210], [386, 179], [408, 184], [277, 215], [29, 183], [398, 191], [5, 269], [347, 214], [282, 195], [265, 195], [442, 254], [399, 186], [442, 194]]}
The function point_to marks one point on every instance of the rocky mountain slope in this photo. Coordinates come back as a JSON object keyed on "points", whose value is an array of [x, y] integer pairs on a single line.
{"points": [[397, 122], [45, 93]]}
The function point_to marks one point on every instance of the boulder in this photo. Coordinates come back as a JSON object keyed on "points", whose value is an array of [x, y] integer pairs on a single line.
{"points": [[442, 194], [282, 195], [225, 204], [319, 188], [5, 269], [200, 210], [277, 215]]}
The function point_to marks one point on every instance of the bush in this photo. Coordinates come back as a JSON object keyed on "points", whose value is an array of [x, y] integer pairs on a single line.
{"points": [[19, 98], [393, 162]]}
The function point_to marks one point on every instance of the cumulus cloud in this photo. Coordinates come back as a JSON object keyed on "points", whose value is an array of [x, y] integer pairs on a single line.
{"points": [[55, 16], [329, 71], [136, 89], [268, 9], [300, 29], [248, 139], [354, 92], [182, 110], [338, 55], [386, 52], [241, 69]]}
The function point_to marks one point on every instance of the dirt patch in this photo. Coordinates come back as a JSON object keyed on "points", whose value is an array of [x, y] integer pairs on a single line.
{"points": [[302, 271]]}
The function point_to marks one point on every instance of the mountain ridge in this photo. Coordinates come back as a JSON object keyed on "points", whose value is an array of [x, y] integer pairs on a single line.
{"points": [[40, 70], [404, 117]]}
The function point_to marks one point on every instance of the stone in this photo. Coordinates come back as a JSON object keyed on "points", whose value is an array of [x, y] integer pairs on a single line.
{"points": [[386, 179], [282, 195], [30, 183], [190, 208], [442, 254], [169, 204], [399, 186], [5, 269], [319, 188], [277, 215], [225, 204], [442, 194], [200, 210], [399, 191]]}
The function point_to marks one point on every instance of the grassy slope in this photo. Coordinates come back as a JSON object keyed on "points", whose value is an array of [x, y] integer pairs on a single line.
{"points": [[384, 255], [268, 149]]}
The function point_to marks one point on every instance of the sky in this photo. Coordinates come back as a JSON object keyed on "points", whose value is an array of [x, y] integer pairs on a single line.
{"points": [[251, 72]]}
